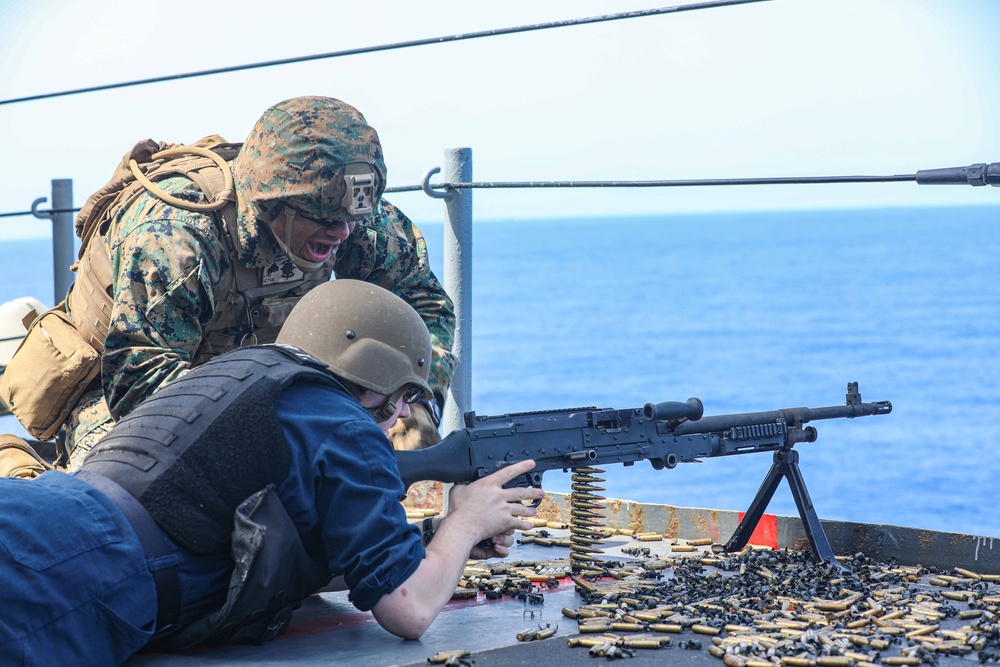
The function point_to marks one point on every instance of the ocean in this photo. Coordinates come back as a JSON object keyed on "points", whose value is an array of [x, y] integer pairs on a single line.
{"points": [[748, 312]]}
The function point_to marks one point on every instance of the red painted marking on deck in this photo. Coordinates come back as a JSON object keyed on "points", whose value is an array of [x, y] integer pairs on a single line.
{"points": [[766, 532]]}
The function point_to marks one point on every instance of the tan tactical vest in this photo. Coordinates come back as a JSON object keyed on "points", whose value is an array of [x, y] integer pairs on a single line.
{"points": [[246, 310]]}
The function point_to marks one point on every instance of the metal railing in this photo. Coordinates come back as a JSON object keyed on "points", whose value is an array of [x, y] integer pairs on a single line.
{"points": [[456, 193]]}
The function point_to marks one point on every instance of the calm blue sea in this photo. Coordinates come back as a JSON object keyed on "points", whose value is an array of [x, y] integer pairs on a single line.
{"points": [[747, 312]]}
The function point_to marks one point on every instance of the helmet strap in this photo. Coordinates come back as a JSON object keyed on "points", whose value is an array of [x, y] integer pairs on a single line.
{"points": [[285, 245], [383, 412]]}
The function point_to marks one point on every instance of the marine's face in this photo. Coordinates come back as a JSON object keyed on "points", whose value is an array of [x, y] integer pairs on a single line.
{"points": [[310, 240]]}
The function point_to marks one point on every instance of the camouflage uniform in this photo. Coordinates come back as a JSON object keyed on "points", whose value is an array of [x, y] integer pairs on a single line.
{"points": [[169, 265]]}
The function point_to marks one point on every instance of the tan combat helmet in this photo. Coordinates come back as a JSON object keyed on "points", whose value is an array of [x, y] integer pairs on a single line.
{"points": [[367, 335], [313, 155]]}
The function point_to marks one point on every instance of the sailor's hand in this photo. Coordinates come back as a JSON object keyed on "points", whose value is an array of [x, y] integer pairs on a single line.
{"points": [[486, 510], [498, 546]]}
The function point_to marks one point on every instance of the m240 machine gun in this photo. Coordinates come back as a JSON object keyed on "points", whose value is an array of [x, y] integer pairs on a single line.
{"points": [[664, 434]]}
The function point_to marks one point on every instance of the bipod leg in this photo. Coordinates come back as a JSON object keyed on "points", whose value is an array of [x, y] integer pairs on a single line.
{"points": [[752, 516], [810, 520], [786, 464]]}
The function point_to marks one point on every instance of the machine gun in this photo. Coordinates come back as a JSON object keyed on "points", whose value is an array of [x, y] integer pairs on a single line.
{"points": [[664, 434]]}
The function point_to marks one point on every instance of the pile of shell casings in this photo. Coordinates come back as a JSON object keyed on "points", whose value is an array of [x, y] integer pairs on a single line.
{"points": [[522, 580], [771, 608]]}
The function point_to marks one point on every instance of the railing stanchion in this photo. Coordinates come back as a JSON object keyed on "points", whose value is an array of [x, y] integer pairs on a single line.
{"points": [[63, 235], [458, 282]]}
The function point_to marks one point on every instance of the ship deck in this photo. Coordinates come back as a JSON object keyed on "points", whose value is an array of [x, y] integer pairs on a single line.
{"points": [[327, 628]]}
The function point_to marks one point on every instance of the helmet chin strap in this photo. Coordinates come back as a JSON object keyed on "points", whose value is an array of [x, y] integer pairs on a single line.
{"points": [[285, 245], [384, 412]]}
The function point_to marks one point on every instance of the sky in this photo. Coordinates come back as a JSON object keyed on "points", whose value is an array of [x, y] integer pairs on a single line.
{"points": [[774, 88]]}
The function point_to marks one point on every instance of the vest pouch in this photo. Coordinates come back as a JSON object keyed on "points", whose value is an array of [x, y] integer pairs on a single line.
{"points": [[273, 574], [49, 372]]}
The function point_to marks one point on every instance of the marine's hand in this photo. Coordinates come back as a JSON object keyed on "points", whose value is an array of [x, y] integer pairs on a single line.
{"points": [[485, 509]]}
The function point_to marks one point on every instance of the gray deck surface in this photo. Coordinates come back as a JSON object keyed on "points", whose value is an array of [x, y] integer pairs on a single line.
{"points": [[327, 629]]}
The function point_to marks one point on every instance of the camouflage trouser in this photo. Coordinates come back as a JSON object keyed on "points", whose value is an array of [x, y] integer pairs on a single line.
{"points": [[416, 431], [87, 424]]}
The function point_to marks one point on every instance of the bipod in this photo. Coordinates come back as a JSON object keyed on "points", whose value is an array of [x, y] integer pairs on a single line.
{"points": [[785, 465]]}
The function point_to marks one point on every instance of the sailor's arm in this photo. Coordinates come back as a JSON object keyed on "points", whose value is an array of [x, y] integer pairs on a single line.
{"points": [[479, 511]]}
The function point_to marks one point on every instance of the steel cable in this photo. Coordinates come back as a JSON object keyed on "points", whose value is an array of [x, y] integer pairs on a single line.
{"points": [[389, 47]]}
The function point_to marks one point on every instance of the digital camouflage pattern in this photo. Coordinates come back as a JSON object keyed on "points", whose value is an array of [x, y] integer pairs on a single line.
{"points": [[169, 264], [298, 152]]}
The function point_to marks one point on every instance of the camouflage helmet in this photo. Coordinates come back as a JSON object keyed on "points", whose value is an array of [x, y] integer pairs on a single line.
{"points": [[317, 155], [366, 334]]}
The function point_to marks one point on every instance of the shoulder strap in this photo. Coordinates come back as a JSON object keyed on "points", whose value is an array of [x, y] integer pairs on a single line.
{"points": [[91, 296], [154, 161]]}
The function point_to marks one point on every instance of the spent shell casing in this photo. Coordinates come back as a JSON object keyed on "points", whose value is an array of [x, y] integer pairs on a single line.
{"points": [[732, 627], [647, 617], [593, 628], [958, 596], [442, 657], [627, 627], [587, 642], [673, 628], [639, 642], [704, 629], [795, 661]]}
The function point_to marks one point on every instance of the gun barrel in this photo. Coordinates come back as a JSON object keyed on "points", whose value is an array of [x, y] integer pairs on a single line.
{"points": [[791, 416]]}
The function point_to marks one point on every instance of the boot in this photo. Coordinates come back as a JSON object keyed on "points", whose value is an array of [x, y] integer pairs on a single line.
{"points": [[18, 459]]}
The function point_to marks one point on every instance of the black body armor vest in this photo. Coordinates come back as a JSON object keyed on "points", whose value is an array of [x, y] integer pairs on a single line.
{"points": [[201, 445]]}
